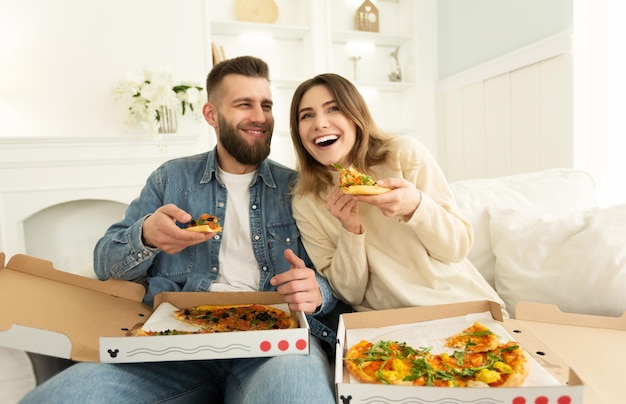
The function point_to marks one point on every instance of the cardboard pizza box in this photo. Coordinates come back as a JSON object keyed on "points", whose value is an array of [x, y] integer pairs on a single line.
{"points": [[56, 313], [209, 346], [595, 346], [562, 383]]}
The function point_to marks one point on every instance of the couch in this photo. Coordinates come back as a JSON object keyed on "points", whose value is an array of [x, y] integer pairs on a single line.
{"points": [[538, 236]]}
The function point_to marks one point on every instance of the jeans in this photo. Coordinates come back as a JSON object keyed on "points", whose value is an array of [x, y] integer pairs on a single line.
{"points": [[280, 379]]}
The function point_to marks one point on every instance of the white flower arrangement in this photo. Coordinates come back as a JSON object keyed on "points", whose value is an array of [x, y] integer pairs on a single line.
{"points": [[147, 95]]}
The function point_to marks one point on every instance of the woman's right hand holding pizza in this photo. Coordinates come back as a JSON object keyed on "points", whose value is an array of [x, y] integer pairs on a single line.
{"points": [[160, 230], [345, 208], [402, 201]]}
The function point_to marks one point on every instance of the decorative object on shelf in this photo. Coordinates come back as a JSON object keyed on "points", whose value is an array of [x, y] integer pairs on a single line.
{"points": [[357, 51], [355, 60], [218, 54], [396, 75], [154, 100], [265, 11], [366, 17]]}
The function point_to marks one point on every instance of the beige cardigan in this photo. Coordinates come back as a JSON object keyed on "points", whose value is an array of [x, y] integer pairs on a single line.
{"points": [[394, 262]]}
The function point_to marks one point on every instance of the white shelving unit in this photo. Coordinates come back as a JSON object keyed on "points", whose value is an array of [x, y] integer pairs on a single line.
{"points": [[317, 36]]}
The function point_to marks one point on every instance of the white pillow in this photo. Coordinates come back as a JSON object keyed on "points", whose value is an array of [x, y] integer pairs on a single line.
{"points": [[576, 261], [551, 191]]}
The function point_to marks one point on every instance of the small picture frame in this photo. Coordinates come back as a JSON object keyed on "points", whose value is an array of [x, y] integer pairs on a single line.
{"points": [[366, 17]]}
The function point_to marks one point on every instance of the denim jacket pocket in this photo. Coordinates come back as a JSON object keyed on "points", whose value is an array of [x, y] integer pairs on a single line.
{"points": [[281, 237], [285, 233]]}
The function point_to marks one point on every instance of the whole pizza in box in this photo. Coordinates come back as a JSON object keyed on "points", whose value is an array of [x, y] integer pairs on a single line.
{"points": [[480, 361], [473, 350], [169, 320]]}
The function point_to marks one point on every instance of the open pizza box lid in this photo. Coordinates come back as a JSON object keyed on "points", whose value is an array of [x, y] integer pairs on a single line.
{"points": [[51, 312], [595, 346], [552, 378]]}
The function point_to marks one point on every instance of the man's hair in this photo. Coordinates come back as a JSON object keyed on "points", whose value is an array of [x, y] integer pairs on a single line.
{"points": [[248, 66]]}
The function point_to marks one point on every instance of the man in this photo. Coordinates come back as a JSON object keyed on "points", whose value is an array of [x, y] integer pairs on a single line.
{"points": [[259, 249]]}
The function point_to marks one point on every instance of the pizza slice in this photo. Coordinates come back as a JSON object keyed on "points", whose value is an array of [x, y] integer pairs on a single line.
{"points": [[205, 223], [386, 362], [353, 182], [475, 338]]}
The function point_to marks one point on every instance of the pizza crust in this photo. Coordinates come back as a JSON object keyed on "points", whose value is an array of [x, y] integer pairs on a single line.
{"points": [[352, 366], [522, 370], [365, 190], [205, 228]]}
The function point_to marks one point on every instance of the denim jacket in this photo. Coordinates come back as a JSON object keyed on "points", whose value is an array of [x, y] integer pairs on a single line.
{"points": [[192, 184]]}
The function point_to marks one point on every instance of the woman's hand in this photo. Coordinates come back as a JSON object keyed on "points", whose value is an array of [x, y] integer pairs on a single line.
{"points": [[401, 201], [345, 208]]}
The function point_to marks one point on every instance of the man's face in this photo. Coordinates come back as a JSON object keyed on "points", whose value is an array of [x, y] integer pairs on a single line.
{"points": [[245, 121], [245, 151]]}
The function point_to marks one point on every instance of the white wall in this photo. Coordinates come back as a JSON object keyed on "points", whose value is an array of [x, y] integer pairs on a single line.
{"points": [[472, 32], [59, 59], [514, 122], [600, 63]]}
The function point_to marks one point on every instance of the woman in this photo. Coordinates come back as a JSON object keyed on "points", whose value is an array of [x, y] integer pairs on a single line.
{"points": [[405, 247]]}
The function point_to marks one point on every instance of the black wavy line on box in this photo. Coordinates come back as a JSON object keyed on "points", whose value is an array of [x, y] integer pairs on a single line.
{"points": [[415, 400], [191, 351]]}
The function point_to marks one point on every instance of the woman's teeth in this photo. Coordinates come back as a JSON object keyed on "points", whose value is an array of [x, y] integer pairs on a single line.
{"points": [[326, 140]]}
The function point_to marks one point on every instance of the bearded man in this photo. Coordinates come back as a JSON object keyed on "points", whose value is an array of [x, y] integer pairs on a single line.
{"points": [[259, 250]]}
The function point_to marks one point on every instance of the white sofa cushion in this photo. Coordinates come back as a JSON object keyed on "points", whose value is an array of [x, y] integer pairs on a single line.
{"points": [[576, 261], [551, 191]]}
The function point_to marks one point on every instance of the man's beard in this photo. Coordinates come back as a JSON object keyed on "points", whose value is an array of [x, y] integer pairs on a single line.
{"points": [[237, 146]]}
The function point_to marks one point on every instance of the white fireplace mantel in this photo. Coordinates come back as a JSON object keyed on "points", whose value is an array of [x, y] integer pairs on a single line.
{"points": [[39, 173]]}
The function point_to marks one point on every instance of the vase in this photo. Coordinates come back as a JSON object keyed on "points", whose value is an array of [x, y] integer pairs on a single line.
{"points": [[167, 120]]}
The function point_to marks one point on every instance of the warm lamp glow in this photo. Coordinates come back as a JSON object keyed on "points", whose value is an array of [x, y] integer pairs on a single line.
{"points": [[257, 39], [359, 48]]}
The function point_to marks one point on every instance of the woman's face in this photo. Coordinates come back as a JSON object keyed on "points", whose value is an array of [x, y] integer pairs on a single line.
{"points": [[326, 133]]}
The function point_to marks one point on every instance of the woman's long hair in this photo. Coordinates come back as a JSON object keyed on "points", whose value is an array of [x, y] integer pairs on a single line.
{"points": [[369, 148]]}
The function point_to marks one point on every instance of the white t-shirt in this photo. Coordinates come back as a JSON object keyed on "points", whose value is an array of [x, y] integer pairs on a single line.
{"points": [[239, 270]]}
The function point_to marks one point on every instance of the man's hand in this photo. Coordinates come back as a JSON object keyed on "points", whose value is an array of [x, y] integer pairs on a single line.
{"points": [[298, 285], [159, 230]]}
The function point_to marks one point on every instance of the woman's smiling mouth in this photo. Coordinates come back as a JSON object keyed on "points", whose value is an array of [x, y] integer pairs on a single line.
{"points": [[326, 140]]}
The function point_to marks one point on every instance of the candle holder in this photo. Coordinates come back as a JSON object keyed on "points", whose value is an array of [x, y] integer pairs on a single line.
{"points": [[355, 60]]}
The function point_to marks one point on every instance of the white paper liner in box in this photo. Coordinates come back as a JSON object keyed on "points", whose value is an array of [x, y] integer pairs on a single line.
{"points": [[434, 333], [162, 319]]}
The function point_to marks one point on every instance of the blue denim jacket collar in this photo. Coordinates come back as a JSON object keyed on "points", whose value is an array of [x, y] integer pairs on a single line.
{"points": [[263, 171]]}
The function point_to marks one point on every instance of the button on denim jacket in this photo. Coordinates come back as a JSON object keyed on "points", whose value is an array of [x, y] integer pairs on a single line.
{"points": [[192, 184]]}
